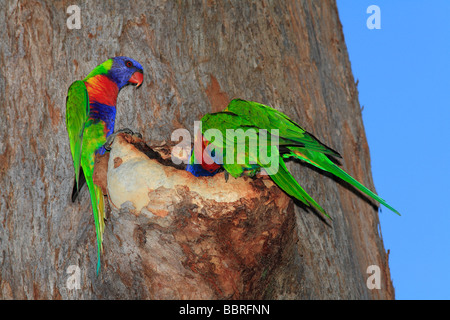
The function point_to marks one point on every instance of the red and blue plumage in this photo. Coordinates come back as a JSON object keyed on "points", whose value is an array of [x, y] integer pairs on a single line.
{"points": [[202, 164], [90, 118]]}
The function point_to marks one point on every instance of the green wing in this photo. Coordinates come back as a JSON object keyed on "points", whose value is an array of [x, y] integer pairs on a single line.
{"points": [[77, 114], [288, 184], [290, 133], [248, 120], [77, 110], [229, 145], [294, 141]]}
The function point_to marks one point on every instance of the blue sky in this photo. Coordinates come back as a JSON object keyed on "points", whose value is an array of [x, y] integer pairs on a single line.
{"points": [[403, 71]]}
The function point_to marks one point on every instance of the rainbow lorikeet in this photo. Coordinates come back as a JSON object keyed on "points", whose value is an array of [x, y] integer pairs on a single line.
{"points": [[270, 127], [90, 117]]}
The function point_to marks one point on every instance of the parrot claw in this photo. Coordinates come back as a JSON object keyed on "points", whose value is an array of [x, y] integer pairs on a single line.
{"points": [[110, 138], [124, 130], [226, 175]]}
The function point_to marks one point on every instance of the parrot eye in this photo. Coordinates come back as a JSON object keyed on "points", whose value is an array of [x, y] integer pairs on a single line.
{"points": [[128, 64]]}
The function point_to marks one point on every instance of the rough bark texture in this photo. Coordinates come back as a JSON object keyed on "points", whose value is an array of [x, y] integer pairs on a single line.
{"points": [[186, 237], [197, 55]]}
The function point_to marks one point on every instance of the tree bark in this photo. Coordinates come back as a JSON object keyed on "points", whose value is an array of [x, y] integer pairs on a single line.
{"points": [[197, 55]]}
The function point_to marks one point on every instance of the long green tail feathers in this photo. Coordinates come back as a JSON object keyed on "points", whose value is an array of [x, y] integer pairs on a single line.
{"points": [[287, 183], [334, 169], [98, 207], [322, 162]]}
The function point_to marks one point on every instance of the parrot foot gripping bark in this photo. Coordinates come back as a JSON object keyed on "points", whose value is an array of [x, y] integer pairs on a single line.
{"points": [[110, 139]]}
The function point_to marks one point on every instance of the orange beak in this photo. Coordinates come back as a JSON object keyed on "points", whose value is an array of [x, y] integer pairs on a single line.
{"points": [[137, 78]]}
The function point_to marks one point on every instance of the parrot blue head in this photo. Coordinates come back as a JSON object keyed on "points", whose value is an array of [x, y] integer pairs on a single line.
{"points": [[125, 71]]}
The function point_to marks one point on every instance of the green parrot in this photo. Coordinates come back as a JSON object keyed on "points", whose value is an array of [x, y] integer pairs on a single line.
{"points": [[211, 151], [90, 117]]}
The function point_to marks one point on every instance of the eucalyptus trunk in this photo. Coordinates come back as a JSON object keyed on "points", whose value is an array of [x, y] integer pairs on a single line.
{"points": [[197, 56]]}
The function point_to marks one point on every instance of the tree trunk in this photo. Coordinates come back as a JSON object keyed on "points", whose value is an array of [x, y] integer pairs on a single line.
{"points": [[192, 241]]}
